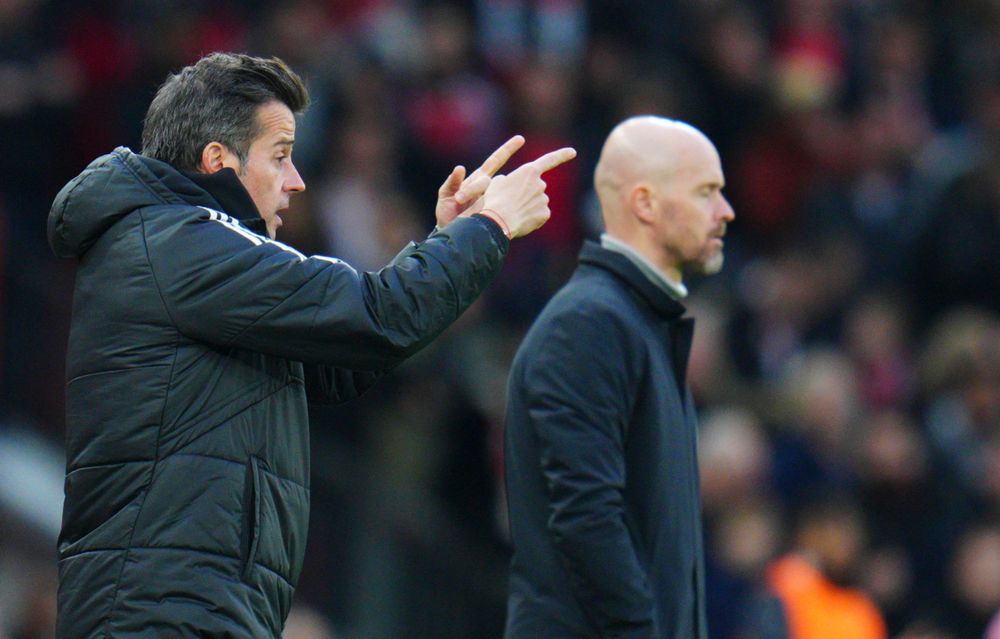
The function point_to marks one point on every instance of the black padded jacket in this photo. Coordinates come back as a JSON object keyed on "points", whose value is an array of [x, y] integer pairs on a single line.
{"points": [[194, 344]]}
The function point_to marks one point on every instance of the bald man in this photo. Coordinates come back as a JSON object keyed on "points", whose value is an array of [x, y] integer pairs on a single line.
{"points": [[601, 462]]}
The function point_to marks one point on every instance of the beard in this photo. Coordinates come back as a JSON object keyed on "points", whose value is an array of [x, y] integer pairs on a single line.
{"points": [[713, 264]]}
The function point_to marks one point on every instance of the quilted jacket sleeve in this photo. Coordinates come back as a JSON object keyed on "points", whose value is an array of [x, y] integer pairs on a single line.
{"points": [[333, 385], [223, 284]]}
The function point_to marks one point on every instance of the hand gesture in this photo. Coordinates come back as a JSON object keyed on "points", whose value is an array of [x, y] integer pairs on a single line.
{"points": [[463, 195], [519, 198]]}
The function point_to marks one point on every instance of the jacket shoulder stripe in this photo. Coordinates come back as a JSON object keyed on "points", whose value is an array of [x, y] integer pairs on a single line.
{"points": [[285, 247], [258, 240], [326, 258], [229, 223]]}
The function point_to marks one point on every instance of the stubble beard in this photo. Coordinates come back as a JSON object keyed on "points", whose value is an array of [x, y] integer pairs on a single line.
{"points": [[713, 264]]}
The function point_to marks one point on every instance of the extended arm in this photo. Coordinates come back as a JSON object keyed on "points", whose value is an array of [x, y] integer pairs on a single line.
{"points": [[333, 385], [224, 285]]}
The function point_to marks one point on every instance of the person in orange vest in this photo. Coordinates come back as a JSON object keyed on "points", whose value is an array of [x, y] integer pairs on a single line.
{"points": [[811, 580]]}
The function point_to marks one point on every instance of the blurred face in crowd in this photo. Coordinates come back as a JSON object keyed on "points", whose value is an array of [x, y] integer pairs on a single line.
{"points": [[837, 540], [268, 174]]}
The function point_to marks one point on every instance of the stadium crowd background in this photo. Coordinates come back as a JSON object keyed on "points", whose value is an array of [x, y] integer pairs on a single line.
{"points": [[847, 360]]}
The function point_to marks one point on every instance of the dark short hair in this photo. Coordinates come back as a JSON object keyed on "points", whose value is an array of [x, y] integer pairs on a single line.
{"points": [[216, 100]]}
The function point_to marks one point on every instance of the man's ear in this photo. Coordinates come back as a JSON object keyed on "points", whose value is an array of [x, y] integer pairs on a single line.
{"points": [[215, 156], [641, 200]]}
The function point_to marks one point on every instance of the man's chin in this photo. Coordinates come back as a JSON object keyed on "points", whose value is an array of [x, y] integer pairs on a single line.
{"points": [[272, 227], [713, 265]]}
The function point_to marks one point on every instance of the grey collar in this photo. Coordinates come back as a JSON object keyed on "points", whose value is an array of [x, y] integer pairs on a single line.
{"points": [[676, 290]]}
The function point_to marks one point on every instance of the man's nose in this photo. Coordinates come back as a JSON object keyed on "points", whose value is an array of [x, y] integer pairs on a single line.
{"points": [[727, 213], [293, 181]]}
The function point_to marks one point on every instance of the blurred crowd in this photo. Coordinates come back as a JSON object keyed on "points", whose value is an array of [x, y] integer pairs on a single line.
{"points": [[846, 361]]}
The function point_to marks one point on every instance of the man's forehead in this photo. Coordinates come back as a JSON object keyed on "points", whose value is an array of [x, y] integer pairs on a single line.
{"points": [[277, 122], [698, 169]]}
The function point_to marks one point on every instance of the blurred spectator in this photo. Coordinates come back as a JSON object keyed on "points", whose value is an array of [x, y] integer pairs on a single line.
{"points": [[742, 541], [542, 109], [953, 259], [734, 459], [961, 380], [712, 374], [361, 218], [815, 450], [514, 31], [974, 588], [810, 51], [803, 135], [956, 261], [735, 65], [887, 577], [813, 582], [789, 301], [907, 515], [878, 342], [452, 111]]}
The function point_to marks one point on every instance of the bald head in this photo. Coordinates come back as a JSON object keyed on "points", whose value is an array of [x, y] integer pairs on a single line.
{"points": [[660, 185], [644, 149]]}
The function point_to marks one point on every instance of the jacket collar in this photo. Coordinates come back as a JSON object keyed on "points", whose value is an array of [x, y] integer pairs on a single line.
{"points": [[232, 197], [623, 268], [676, 290]]}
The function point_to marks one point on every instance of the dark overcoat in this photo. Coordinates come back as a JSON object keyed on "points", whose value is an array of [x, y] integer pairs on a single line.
{"points": [[194, 345], [601, 464]]}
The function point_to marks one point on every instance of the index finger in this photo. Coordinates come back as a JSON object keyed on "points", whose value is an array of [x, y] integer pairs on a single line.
{"points": [[553, 159], [499, 157]]}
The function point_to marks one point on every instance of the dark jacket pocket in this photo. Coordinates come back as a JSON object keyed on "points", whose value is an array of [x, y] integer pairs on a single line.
{"points": [[250, 530]]}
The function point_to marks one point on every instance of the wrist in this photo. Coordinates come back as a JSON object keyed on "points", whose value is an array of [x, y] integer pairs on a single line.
{"points": [[498, 219]]}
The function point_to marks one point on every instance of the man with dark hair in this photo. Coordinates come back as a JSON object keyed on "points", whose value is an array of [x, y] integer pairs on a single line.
{"points": [[215, 100], [197, 340], [600, 453]]}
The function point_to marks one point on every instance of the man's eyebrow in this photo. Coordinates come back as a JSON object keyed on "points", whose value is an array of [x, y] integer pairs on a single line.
{"points": [[285, 142]]}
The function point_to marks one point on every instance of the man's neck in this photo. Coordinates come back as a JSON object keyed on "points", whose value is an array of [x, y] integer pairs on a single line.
{"points": [[668, 279]]}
